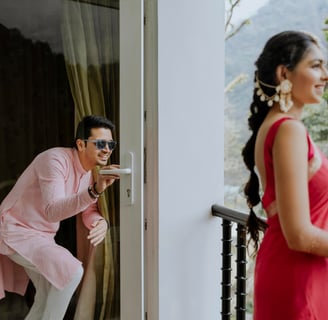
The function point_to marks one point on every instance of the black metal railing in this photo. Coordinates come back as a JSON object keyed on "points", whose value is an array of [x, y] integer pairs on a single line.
{"points": [[229, 217]]}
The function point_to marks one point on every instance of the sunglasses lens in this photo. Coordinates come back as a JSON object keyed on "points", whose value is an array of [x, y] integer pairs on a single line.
{"points": [[111, 145], [101, 144]]}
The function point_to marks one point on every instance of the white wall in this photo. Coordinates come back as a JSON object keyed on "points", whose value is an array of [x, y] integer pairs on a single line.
{"points": [[190, 152]]}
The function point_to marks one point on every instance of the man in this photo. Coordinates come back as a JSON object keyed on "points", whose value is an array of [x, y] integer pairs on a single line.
{"points": [[57, 184]]}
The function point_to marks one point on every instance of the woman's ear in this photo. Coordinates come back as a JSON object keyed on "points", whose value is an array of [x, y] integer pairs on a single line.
{"points": [[281, 73]]}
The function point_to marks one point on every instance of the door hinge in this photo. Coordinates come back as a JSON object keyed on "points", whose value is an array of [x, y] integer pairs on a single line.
{"points": [[145, 224], [145, 166], [146, 315]]}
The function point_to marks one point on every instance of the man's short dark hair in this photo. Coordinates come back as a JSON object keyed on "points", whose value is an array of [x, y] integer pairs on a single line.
{"points": [[83, 130]]}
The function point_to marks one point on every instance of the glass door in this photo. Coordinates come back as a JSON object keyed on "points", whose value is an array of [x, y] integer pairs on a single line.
{"points": [[61, 60]]}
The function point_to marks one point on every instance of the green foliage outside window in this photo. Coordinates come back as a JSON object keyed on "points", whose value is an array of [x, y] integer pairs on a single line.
{"points": [[325, 30]]}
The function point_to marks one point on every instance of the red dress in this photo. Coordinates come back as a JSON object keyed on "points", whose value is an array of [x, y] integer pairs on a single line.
{"points": [[292, 285]]}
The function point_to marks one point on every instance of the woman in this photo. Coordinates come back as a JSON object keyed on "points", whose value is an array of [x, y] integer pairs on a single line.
{"points": [[291, 272]]}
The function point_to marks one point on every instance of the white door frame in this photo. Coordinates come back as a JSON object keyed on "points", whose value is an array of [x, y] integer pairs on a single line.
{"points": [[151, 161], [132, 143]]}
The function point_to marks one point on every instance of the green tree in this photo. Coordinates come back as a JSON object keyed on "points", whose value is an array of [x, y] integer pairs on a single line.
{"points": [[232, 146], [230, 28], [325, 30]]}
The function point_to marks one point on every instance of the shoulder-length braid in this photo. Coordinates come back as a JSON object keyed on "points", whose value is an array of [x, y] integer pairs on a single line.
{"points": [[286, 48]]}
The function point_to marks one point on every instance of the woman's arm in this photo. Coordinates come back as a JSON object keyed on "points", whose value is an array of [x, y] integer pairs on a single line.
{"points": [[290, 161]]}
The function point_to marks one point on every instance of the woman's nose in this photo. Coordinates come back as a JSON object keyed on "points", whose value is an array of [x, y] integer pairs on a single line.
{"points": [[325, 73]]}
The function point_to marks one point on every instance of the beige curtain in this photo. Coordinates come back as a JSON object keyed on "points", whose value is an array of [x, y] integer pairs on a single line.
{"points": [[89, 32]]}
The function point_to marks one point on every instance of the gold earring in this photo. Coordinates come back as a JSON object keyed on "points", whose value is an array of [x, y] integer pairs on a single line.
{"points": [[285, 95]]}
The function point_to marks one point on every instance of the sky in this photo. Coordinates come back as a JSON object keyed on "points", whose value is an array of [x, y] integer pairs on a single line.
{"points": [[246, 9]]}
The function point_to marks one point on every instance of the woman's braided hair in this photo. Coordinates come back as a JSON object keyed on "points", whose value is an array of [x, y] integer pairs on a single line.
{"points": [[286, 48]]}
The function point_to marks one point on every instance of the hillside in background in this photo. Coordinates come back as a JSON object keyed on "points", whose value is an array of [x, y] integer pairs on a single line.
{"points": [[241, 52]]}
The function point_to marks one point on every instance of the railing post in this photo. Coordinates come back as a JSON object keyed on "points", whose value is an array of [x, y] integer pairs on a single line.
{"points": [[226, 270], [241, 273], [228, 217]]}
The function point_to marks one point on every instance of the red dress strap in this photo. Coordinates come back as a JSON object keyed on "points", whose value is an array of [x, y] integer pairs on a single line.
{"points": [[268, 144]]}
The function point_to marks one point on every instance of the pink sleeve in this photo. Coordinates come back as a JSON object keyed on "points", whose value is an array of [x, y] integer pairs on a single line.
{"points": [[53, 171], [90, 215]]}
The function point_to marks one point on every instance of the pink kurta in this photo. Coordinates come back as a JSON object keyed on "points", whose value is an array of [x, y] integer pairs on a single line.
{"points": [[52, 188]]}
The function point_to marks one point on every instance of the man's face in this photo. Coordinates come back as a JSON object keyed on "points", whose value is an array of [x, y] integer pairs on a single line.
{"points": [[93, 153]]}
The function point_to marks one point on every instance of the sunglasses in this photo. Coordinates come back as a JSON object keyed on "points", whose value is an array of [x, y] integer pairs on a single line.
{"points": [[101, 144]]}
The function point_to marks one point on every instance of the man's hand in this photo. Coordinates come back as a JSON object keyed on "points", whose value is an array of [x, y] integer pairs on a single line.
{"points": [[105, 180], [98, 232]]}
